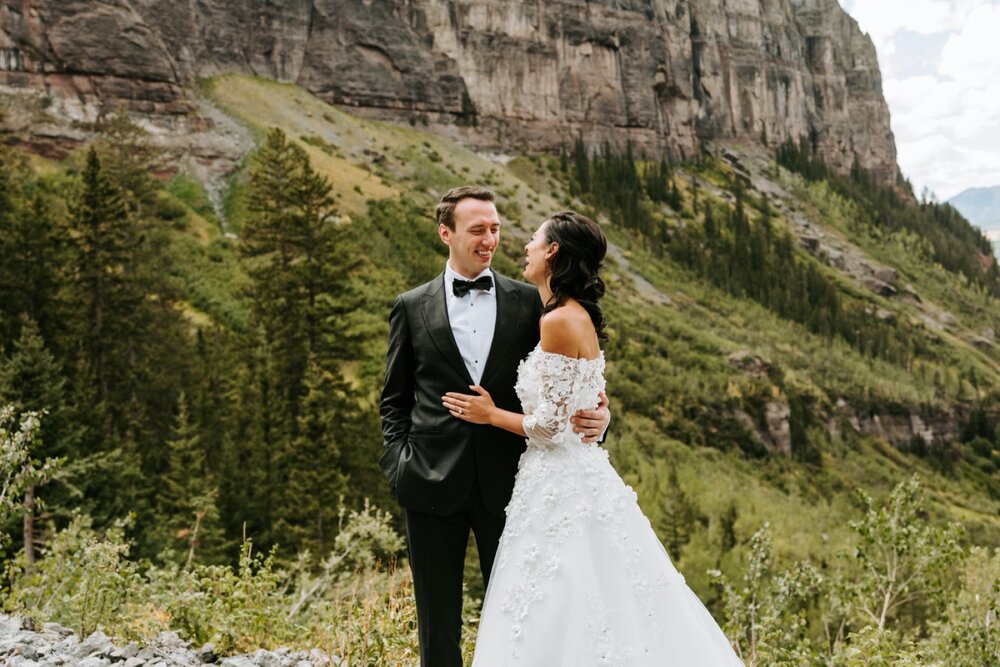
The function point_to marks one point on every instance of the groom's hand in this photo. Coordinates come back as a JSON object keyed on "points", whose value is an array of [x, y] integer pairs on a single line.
{"points": [[592, 424]]}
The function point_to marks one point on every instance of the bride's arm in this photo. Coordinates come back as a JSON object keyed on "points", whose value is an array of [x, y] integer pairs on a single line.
{"points": [[558, 336], [479, 409]]}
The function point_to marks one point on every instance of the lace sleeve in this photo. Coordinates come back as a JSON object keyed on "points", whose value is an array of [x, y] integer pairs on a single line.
{"points": [[562, 391]]}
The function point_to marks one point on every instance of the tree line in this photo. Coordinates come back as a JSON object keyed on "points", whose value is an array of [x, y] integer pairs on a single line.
{"points": [[204, 432], [739, 248]]}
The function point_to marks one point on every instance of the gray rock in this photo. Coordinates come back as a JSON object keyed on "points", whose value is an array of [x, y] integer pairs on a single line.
{"points": [[170, 640], [96, 644], [887, 275], [129, 650], [20, 647], [263, 658], [779, 427], [94, 661], [30, 652], [237, 661], [207, 653], [810, 243], [11, 624], [318, 657], [836, 259], [56, 629], [19, 661], [879, 287], [754, 364]]}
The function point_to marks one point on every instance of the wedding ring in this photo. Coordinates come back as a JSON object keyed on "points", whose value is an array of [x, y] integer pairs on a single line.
{"points": [[461, 411]]}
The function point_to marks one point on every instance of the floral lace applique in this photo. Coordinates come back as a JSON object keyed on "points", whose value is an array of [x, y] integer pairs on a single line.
{"points": [[552, 388], [607, 650]]}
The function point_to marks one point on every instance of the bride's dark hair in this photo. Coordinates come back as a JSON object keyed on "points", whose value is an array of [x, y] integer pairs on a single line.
{"points": [[574, 269]]}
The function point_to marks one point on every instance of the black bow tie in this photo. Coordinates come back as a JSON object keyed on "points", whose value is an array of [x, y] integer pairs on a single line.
{"points": [[463, 287]]}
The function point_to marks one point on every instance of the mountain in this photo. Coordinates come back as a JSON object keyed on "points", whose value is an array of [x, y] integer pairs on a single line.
{"points": [[502, 76], [981, 206]]}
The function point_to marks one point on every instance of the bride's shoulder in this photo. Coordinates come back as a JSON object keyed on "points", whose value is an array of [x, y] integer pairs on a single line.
{"points": [[566, 330]]}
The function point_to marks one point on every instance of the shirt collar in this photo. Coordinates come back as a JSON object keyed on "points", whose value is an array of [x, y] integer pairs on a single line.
{"points": [[450, 275]]}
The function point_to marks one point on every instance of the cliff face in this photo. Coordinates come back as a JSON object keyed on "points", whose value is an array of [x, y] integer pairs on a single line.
{"points": [[502, 75]]}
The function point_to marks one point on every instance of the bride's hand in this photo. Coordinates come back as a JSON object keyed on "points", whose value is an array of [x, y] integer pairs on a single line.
{"points": [[471, 408]]}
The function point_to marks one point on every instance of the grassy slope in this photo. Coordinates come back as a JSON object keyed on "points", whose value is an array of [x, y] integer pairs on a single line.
{"points": [[681, 329]]}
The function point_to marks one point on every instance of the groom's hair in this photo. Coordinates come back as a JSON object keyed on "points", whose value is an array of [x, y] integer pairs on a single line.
{"points": [[446, 206]]}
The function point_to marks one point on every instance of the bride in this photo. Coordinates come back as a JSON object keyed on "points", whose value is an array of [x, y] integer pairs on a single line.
{"points": [[580, 578]]}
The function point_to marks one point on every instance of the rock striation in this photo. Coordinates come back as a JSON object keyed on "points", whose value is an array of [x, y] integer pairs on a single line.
{"points": [[501, 75]]}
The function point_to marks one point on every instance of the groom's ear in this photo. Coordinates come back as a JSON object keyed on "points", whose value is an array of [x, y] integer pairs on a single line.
{"points": [[444, 234]]}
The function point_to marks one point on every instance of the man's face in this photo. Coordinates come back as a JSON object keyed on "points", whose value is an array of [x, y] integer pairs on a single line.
{"points": [[475, 238]]}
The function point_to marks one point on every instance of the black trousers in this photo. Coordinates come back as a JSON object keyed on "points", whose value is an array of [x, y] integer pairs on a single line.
{"points": [[437, 547]]}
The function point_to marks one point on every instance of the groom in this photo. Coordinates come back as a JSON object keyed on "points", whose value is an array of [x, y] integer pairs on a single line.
{"points": [[468, 326]]}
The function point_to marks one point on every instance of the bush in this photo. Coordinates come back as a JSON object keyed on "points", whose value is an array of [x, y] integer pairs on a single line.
{"points": [[85, 580], [356, 603]]}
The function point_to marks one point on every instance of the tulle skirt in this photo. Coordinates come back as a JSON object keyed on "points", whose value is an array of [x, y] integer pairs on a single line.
{"points": [[581, 579]]}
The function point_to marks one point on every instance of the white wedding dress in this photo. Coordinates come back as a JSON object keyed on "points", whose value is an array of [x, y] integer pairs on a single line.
{"points": [[580, 579]]}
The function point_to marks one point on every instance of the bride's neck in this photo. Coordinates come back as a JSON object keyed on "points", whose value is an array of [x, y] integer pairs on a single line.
{"points": [[545, 292]]}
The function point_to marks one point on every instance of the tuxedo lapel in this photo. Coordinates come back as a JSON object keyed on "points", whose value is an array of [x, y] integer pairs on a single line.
{"points": [[435, 312], [509, 316]]}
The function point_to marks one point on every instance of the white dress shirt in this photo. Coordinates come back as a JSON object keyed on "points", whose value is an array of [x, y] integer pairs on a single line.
{"points": [[473, 318]]}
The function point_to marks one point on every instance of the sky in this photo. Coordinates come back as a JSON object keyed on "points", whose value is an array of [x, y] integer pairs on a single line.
{"points": [[940, 63]]}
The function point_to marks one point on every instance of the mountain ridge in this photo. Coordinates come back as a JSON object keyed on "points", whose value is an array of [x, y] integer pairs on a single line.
{"points": [[981, 206], [500, 76]]}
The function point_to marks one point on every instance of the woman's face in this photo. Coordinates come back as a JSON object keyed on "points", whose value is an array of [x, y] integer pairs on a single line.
{"points": [[538, 251]]}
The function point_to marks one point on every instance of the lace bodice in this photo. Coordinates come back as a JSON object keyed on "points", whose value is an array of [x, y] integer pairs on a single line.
{"points": [[552, 388]]}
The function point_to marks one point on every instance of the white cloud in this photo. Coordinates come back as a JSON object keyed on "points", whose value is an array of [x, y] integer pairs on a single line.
{"points": [[970, 54], [882, 19], [946, 119]]}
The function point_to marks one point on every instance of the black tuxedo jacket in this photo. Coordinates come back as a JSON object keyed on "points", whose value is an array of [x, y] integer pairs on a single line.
{"points": [[430, 458]]}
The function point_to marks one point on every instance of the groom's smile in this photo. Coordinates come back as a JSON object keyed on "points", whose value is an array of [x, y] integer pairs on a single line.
{"points": [[474, 240]]}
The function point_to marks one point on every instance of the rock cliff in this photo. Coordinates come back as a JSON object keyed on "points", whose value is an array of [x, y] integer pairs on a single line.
{"points": [[502, 75]]}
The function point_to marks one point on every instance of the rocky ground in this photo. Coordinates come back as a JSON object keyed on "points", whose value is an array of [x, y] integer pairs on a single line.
{"points": [[24, 645]]}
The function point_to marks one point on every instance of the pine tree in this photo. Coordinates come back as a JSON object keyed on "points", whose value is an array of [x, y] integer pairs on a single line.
{"points": [[678, 512], [274, 245], [104, 292], [727, 527], [32, 253], [128, 162], [311, 467], [32, 381], [187, 496], [674, 199], [302, 300]]}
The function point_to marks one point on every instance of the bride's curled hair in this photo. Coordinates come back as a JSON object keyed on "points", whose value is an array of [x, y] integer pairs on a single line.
{"points": [[574, 269]]}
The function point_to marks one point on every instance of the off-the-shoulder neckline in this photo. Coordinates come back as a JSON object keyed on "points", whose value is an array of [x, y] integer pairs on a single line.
{"points": [[599, 357]]}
